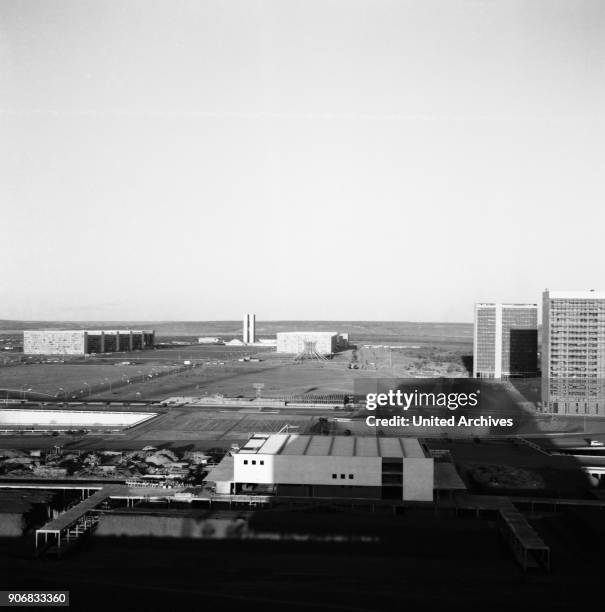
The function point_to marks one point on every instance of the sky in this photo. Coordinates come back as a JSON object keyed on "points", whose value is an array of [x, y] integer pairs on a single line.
{"points": [[335, 160]]}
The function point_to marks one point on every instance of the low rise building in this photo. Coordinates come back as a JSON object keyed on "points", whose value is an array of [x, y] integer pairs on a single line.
{"points": [[324, 343], [84, 341], [296, 465]]}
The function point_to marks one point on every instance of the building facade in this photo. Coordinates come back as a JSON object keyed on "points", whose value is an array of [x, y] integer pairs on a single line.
{"points": [[297, 465], [84, 342], [209, 340], [325, 343], [573, 352], [505, 340]]}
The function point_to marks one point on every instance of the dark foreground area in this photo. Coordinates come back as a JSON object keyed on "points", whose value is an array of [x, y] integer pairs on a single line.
{"points": [[420, 561]]}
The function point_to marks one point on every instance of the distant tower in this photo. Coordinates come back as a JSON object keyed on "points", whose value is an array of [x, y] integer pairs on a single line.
{"points": [[249, 336]]}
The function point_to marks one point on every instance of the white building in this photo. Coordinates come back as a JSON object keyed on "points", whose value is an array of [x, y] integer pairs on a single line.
{"points": [[83, 342], [573, 352], [329, 466], [325, 343], [209, 340]]}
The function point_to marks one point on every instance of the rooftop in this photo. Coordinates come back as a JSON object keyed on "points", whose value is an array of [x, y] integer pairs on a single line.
{"points": [[334, 446], [505, 305], [308, 333], [589, 294], [223, 471]]}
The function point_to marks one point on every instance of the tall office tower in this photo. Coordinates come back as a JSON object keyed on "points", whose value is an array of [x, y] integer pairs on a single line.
{"points": [[249, 336], [505, 340], [573, 352]]}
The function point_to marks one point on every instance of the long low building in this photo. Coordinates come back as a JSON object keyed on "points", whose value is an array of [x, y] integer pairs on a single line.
{"points": [[329, 466], [324, 343], [61, 419], [84, 342]]}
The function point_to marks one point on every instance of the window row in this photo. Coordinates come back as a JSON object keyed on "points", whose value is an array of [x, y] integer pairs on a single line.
{"points": [[253, 462], [342, 476]]}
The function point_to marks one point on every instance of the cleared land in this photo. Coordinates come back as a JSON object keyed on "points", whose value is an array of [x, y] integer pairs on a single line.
{"points": [[79, 377], [219, 373], [69, 379], [282, 377]]}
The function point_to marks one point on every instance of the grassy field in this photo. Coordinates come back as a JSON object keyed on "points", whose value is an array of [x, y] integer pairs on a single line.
{"points": [[190, 424], [71, 377], [178, 354], [450, 360], [238, 379], [101, 372], [282, 377]]}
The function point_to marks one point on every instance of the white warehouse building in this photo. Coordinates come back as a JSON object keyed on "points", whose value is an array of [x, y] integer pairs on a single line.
{"points": [[297, 465], [325, 343]]}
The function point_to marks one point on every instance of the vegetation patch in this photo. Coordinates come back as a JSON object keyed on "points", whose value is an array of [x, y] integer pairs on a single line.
{"points": [[499, 477]]}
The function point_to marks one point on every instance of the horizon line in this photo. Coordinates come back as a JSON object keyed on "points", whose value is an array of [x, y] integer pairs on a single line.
{"points": [[127, 320]]}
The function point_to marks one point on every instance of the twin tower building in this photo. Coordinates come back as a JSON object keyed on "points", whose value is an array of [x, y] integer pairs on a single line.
{"points": [[572, 355]]}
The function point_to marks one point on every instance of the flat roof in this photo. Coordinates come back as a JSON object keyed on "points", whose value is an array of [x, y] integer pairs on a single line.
{"points": [[223, 472], [504, 305], [332, 446], [575, 295], [307, 333]]}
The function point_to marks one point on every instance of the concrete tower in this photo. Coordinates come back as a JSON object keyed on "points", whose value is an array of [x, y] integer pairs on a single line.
{"points": [[249, 335]]}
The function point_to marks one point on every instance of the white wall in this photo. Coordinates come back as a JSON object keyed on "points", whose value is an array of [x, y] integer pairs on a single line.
{"points": [[294, 342], [297, 469], [418, 479], [53, 342], [418, 473]]}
